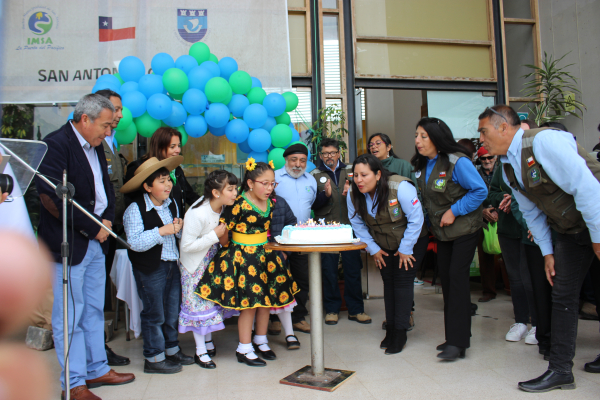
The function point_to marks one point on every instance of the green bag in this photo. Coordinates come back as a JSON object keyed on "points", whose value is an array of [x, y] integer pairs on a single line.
{"points": [[491, 245]]}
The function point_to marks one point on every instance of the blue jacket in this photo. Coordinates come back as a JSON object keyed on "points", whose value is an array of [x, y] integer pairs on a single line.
{"points": [[65, 153]]}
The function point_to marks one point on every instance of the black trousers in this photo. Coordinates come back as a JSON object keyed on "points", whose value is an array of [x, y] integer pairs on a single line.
{"points": [[595, 275], [299, 268], [542, 296], [110, 256], [454, 261], [399, 285]]}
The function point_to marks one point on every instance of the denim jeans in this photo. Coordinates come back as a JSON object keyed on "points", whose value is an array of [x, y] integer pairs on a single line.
{"points": [[513, 253], [160, 292], [573, 255], [352, 264]]}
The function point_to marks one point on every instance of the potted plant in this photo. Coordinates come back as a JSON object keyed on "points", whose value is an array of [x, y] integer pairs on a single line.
{"points": [[555, 89]]}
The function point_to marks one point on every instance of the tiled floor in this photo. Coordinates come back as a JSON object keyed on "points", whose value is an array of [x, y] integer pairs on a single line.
{"points": [[491, 369]]}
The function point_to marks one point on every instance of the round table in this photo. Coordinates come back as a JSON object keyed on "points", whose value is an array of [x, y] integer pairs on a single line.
{"points": [[316, 376]]}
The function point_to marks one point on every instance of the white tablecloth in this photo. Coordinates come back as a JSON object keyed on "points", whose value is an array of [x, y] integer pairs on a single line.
{"points": [[122, 276]]}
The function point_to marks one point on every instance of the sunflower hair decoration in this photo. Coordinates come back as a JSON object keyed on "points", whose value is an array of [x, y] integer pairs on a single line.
{"points": [[250, 164], [271, 164]]}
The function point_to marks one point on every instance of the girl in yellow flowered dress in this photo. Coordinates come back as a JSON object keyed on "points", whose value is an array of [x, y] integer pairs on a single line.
{"points": [[244, 275]]}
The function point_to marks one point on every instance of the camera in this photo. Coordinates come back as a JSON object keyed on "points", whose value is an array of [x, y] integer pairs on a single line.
{"points": [[6, 183]]}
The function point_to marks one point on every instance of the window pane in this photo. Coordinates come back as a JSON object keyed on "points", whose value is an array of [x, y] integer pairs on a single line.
{"points": [[459, 110], [302, 114], [422, 60], [296, 3], [456, 19], [331, 51], [330, 4], [517, 9], [519, 51], [297, 27]]}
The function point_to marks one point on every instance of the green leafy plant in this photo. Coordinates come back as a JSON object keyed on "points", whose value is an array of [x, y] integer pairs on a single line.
{"points": [[551, 84], [330, 124], [17, 121]]}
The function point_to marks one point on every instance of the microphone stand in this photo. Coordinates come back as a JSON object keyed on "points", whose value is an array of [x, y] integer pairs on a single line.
{"points": [[66, 191]]}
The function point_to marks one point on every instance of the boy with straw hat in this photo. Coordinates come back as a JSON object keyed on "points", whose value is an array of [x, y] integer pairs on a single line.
{"points": [[152, 223]]}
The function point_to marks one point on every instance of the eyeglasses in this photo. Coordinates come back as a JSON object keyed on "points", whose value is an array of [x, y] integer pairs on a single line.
{"points": [[330, 154], [497, 113], [486, 158], [267, 184], [375, 144]]}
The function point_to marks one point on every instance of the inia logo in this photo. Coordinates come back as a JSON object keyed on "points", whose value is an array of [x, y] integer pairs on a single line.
{"points": [[40, 23]]}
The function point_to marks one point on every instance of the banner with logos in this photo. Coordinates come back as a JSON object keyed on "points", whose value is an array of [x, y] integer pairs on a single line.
{"points": [[54, 50]]}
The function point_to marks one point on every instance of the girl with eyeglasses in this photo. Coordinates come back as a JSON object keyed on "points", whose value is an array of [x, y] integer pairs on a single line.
{"points": [[452, 192], [245, 276]]}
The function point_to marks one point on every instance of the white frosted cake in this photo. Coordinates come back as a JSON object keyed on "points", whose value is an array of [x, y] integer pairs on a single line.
{"points": [[314, 233]]}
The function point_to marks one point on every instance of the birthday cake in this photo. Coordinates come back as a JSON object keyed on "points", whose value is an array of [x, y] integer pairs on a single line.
{"points": [[312, 232]]}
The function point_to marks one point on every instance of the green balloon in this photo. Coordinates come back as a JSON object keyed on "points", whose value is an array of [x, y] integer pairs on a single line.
{"points": [[176, 96], [256, 95], [281, 135], [298, 141], [175, 81], [213, 58], [217, 90], [127, 135], [291, 101], [283, 119], [126, 120], [184, 135], [276, 155], [119, 78], [241, 82], [146, 125], [200, 52]]}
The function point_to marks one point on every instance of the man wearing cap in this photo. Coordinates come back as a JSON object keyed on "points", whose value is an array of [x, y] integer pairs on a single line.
{"points": [[153, 222], [556, 183], [490, 215], [333, 180], [76, 148], [299, 190]]}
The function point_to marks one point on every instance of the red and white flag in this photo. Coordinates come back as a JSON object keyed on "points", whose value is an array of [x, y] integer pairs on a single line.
{"points": [[108, 34]]}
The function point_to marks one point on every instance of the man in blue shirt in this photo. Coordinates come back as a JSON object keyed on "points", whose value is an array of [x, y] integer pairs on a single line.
{"points": [[299, 190], [559, 182]]}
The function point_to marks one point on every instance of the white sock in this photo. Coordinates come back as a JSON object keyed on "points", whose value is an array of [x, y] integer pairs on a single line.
{"points": [[201, 347], [208, 338], [262, 342], [286, 322], [246, 349]]}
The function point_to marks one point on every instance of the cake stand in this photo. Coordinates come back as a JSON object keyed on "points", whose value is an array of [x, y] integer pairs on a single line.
{"points": [[316, 376]]}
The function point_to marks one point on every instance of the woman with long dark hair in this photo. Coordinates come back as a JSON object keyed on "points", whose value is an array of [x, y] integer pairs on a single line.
{"points": [[386, 214], [166, 143], [380, 145], [452, 192]]}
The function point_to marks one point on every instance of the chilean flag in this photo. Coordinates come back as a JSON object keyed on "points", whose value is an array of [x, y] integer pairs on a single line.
{"points": [[108, 34]]}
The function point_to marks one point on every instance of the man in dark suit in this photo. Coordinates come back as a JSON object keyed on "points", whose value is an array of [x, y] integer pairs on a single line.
{"points": [[77, 148]]}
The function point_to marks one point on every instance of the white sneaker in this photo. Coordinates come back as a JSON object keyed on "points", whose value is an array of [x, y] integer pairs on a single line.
{"points": [[530, 338], [516, 332], [418, 282]]}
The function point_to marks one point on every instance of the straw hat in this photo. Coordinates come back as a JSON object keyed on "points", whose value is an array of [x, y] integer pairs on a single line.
{"points": [[146, 169]]}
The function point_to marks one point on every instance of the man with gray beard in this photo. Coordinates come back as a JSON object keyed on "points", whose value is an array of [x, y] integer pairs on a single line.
{"points": [[299, 190]]}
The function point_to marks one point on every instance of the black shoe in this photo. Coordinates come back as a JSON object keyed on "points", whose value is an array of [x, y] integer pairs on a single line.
{"points": [[442, 347], [383, 325], [267, 355], [550, 380], [291, 344], [474, 308], [162, 367], [115, 359], [594, 366], [397, 343], [208, 365], [181, 358], [451, 353], [213, 352], [257, 362], [389, 334]]}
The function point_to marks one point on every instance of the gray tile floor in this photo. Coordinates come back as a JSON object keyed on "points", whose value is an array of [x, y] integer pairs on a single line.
{"points": [[491, 369]]}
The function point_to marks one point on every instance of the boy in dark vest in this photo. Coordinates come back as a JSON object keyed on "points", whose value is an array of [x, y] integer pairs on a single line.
{"points": [[556, 184], [153, 224]]}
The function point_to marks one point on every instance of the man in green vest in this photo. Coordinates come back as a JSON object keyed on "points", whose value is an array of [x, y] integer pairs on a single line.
{"points": [[116, 171], [556, 184], [333, 180]]}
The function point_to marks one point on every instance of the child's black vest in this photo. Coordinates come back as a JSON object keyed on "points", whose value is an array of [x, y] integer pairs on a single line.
{"points": [[149, 261]]}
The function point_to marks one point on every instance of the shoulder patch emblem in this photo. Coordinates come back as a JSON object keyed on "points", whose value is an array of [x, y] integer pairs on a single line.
{"points": [[393, 202], [530, 161]]}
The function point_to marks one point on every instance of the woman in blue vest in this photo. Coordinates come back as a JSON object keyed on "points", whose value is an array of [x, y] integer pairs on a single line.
{"points": [[386, 214], [452, 192]]}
